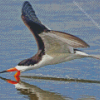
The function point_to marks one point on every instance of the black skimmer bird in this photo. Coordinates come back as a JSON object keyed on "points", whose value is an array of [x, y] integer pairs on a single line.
{"points": [[53, 46]]}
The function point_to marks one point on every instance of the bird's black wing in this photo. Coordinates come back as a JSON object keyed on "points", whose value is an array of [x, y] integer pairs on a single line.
{"points": [[33, 23]]}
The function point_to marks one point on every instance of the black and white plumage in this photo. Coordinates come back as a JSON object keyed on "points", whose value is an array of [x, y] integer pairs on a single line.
{"points": [[53, 46]]}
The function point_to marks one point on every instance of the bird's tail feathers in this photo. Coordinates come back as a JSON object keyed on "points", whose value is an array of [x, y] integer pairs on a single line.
{"points": [[83, 54], [95, 56]]}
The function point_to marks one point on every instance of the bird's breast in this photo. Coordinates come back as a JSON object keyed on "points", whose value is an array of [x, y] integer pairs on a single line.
{"points": [[46, 59]]}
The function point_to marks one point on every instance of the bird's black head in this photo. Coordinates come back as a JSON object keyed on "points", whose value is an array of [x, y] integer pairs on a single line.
{"points": [[27, 62]]}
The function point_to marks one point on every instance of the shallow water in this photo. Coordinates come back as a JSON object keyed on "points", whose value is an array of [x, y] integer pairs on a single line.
{"points": [[75, 80]]}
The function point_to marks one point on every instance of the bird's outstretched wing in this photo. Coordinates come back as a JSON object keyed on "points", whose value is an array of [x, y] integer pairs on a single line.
{"points": [[33, 23], [29, 13], [48, 40], [60, 42]]}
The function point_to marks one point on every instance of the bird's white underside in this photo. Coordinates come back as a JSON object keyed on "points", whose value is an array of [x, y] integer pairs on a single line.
{"points": [[43, 62], [53, 59]]}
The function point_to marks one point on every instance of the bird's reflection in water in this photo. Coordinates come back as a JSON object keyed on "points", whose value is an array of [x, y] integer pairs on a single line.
{"points": [[35, 93]]}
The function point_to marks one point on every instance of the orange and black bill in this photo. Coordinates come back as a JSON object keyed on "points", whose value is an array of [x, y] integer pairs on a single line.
{"points": [[12, 70], [3, 71], [9, 70]]}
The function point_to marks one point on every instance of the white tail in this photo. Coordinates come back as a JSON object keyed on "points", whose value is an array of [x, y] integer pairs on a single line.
{"points": [[83, 54], [95, 56]]}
